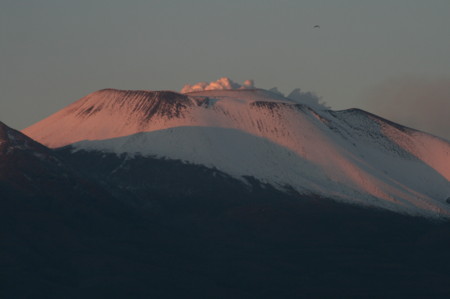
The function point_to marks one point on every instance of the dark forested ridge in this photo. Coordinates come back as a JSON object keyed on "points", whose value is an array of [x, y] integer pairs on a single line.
{"points": [[116, 227]]}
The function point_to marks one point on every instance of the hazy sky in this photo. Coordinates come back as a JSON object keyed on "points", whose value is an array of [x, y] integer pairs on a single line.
{"points": [[55, 52]]}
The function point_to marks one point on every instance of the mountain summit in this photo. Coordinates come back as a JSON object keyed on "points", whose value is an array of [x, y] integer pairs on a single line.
{"points": [[351, 155], [229, 193]]}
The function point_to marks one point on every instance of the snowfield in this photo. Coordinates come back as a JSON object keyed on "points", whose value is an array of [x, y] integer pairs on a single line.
{"points": [[349, 155]]}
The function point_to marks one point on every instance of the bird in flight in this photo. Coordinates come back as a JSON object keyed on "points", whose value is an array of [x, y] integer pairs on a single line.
{"points": [[316, 26]]}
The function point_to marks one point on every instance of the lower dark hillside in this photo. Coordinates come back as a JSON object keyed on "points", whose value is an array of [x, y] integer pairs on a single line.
{"points": [[164, 229]]}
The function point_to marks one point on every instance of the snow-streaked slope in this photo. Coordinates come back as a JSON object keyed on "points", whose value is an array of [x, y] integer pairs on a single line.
{"points": [[350, 155]]}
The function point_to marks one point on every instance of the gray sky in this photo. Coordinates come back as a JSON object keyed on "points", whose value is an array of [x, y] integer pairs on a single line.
{"points": [[55, 52]]}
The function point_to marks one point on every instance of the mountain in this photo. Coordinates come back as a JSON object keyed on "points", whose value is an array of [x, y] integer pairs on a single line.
{"points": [[26, 166], [30, 170], [131, 217], [351, 156], [93, 224], [49, 217]]}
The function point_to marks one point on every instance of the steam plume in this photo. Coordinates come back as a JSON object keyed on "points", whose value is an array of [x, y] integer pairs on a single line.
{"points": [[222, 83]]}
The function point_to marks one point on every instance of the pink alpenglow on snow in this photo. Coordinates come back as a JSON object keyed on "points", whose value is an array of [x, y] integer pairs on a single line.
{"points": [[349, 155]]}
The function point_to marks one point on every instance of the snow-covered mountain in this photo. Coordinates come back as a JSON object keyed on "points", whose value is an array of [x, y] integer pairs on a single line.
{"points": [[350, 155]]}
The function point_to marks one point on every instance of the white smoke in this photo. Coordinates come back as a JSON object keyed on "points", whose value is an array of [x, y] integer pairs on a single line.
{"points": [[297, 96], [276, 91], [307, 98], [221, 84]]}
